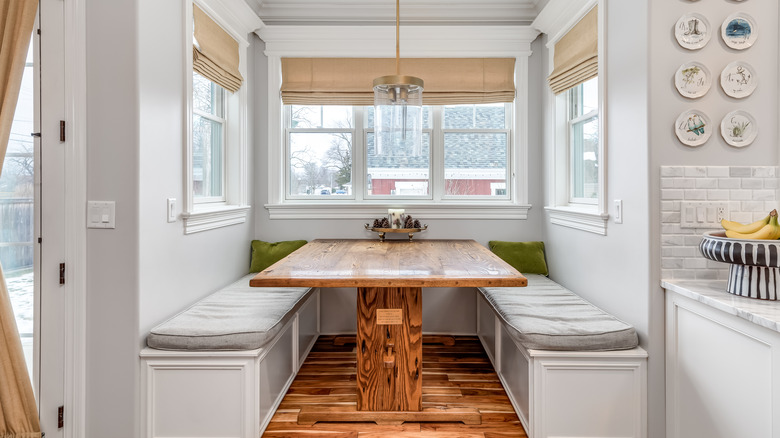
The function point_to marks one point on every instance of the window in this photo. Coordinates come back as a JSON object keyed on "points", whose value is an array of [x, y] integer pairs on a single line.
{"points": [[216, 174], [331, 155], [208, 140], [310, 65], [578, 192], [584, 142]]}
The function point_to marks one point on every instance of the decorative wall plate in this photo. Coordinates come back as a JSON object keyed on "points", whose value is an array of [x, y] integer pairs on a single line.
{"points": [[738, 79], [692, 31], [739, 31], [692, 80], [693, 128], [739, 128]]}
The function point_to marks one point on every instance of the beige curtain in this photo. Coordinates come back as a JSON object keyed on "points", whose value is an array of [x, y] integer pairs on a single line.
{"points": [[349, 81], [18, 411], [215, 52], [576, 56]]}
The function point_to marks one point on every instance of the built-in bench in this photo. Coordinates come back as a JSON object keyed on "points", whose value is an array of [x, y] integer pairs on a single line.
{"points": [[221, 367], [569, 368]]}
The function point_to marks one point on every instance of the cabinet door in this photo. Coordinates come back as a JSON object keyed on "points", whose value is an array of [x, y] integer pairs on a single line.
{"points": [[721, 381]]}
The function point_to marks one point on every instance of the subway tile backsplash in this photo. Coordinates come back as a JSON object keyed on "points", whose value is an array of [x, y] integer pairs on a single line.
{"points": [[751, 193]]}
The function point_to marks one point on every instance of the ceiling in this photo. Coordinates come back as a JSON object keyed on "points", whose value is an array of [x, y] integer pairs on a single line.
{"points": [[383, 11]]}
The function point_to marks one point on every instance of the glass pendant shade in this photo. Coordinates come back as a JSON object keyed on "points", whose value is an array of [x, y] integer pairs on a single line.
{"points": [[398, 115]]}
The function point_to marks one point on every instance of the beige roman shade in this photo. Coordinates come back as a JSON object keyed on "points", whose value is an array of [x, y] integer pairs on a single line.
{"points": [[215, 52], [576, 56], [349, 81]]}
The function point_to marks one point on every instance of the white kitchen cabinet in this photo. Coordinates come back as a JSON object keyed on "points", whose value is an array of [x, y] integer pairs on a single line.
{"points": [[722, 363]]}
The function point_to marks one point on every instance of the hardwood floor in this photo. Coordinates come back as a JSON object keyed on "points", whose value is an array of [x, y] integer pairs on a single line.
{"points": [[453, 376]]}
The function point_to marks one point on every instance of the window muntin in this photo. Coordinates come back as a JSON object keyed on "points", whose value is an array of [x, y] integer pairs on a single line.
{"points": [[583, 125], [475, 142], [208, 140]]}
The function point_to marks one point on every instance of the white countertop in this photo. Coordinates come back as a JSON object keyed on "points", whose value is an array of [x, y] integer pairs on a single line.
{"points": [[713, 293]]}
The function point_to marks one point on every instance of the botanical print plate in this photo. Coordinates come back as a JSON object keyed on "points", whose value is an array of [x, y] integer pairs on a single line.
{"points": [[738, 79], [692, 31], [693, 128], [738, 128], [692, 80], [739, 31]]}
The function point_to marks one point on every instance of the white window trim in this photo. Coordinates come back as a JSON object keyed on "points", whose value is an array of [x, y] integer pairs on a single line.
{"points": [[416, 41], [558, 17], [238, 19]]}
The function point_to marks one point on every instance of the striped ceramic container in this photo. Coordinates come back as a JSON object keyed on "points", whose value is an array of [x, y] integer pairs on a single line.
{"points": [[755, 264]]}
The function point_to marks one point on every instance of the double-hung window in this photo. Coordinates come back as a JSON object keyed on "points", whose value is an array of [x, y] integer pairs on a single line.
{"points": [[216, 163], [208, 140], [578, 195], [465, 155], [583, 142]]}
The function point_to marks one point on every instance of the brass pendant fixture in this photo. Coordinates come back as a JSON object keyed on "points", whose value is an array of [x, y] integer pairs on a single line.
{"points": [[398, 107]]}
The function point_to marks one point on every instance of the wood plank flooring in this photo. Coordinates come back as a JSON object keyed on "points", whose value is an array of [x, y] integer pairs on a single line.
{"points": [[453, 376]]}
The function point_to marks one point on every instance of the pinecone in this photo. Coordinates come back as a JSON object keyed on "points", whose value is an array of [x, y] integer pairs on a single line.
{"points": [[377, 223], [409, 222], [385, 223], [417, 224]]}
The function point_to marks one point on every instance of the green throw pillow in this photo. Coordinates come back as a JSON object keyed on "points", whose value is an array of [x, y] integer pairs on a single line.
{"points": [[265, 254], [526, 257]]}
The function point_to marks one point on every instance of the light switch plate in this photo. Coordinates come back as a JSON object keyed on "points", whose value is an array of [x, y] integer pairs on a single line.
{"points": [[703, 214], [171, 209], [101, 214]]}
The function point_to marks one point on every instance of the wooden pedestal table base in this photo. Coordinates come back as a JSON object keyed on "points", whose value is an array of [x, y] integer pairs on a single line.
{"points": [[389, 364]]}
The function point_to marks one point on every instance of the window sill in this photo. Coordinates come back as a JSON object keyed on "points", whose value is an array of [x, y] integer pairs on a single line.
{"points": [[367, 210], [580, 218], [203, 219]]}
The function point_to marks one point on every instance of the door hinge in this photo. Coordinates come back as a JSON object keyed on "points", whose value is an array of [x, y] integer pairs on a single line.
{"points": [[40, 239], [60, 417], [39, 31], [62, 273], [62, 130], [35, 134]]}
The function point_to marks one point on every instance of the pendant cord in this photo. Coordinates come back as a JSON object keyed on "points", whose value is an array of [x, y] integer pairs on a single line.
{"points": [[397, 37]]}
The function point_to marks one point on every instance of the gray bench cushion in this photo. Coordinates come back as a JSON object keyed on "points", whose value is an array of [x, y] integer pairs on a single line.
{"points": [[237, 317], [546, 316]]}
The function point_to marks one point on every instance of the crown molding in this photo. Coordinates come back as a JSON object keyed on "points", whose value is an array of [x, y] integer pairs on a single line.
{"points": [[559, 16], [416, 41], [428, 11], [237, 17]]}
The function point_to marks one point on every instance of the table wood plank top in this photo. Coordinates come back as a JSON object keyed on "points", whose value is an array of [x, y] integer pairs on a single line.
{"points": [[392, 263]]}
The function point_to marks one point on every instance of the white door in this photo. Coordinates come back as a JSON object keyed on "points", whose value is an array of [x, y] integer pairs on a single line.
{"points": [[52, 212], [31, 214]]}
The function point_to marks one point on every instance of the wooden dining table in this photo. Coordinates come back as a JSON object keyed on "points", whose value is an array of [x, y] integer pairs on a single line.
{"points": [[389, 276]]}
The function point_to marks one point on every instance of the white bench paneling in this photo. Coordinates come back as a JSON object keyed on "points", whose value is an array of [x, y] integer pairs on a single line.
{"points": [[568, 394], [224, 394]]}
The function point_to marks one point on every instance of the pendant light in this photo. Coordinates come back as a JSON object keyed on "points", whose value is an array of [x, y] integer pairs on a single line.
{"points": [[398, 108]]}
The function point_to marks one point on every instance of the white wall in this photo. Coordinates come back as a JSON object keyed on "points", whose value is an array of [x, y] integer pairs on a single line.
{"points": [[146, 269], [666, 104], [112, 255], [612, 271], [176, 269]]}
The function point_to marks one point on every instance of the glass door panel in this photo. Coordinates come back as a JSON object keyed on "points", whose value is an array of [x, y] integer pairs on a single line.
{"points": [[17, 213]]}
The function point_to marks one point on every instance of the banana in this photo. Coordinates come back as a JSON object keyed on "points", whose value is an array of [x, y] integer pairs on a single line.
{"points": [[745, 228], [770, 231]]}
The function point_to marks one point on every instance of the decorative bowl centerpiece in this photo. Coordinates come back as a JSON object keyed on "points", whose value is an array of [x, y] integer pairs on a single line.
{"points": [[755, 264], [396, 222]]}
